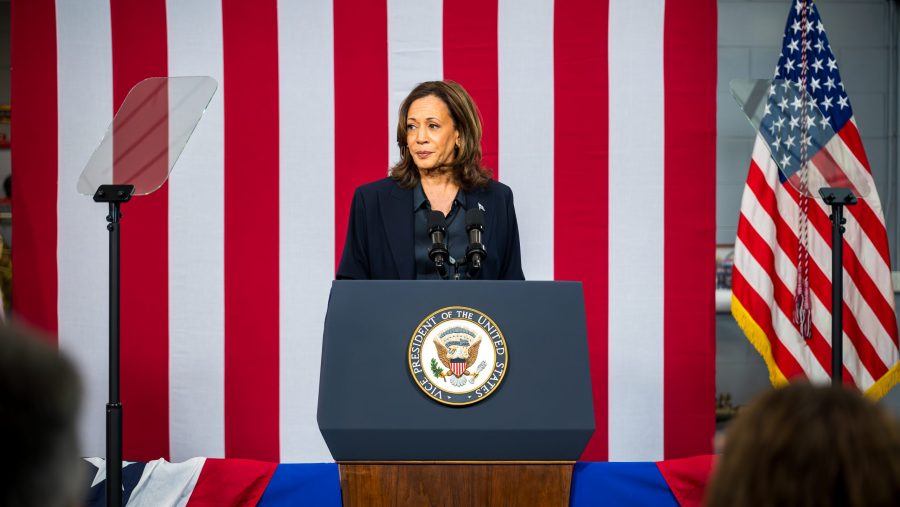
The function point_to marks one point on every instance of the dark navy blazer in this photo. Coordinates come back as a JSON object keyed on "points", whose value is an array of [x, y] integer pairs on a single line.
{"points": [[381, 235]]}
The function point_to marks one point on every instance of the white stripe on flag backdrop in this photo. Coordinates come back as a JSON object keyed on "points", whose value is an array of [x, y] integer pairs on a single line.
{"points": [[599, 115]]}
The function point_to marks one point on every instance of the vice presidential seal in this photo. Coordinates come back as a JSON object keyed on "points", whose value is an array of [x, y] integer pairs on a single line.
{"points": [[458, 356]]}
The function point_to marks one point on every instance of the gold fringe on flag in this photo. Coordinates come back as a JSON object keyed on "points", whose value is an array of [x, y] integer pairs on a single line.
{"points": [[884, 384], [759, 340]]}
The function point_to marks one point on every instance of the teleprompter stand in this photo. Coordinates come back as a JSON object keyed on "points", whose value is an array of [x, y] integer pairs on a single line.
{"points": [[115, 195], [837, 198], [135, 157]]}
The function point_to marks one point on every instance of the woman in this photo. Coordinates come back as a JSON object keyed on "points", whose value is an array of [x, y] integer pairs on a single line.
{"points": [[439, 135]]}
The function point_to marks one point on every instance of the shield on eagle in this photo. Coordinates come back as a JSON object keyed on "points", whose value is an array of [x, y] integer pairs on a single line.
{"points": [[457, 349]]}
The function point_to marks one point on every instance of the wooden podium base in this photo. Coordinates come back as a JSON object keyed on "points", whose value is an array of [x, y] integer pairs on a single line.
{"points": [[400, 483]]}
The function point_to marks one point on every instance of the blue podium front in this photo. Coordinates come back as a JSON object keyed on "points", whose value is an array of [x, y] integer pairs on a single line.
{"points": [[376, 402]]}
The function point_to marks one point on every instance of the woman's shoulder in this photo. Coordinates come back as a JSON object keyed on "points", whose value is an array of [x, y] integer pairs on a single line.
{"points": [[495, 189], [499, 187], [382, 186]]}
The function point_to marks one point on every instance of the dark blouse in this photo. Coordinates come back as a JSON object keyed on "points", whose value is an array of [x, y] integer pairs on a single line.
{"points": [[457, 237]]}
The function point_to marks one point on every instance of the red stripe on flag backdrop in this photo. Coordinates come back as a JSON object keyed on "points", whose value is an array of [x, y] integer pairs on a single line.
{"points": [[360, 103], [690, 160], [581, 170], [471, 59], [251, 229], [139, 51], [33, 59]]}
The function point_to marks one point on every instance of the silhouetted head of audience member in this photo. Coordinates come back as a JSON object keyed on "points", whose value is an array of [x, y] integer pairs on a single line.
{"points": [[7, 186], [809, 446], [40, 394]]}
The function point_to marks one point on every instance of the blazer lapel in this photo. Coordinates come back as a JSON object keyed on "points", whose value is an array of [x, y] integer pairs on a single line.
{"points": [[399, 224]]}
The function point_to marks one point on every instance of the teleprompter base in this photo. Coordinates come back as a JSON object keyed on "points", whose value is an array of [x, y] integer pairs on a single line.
{"points": [[389, 484]]}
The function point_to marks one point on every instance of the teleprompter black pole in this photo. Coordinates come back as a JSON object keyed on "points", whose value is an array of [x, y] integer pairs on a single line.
{"points": [[837, 198], [114, 406], [114, 195]]}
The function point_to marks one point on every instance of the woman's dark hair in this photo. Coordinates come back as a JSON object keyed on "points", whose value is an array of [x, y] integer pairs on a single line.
{"points": [[809, 446], [466, 165]]}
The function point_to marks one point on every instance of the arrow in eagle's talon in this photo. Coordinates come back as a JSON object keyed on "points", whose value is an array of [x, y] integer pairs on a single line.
{"points": [[478, 371]]}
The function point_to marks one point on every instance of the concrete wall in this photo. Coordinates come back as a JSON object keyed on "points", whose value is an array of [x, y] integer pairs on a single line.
{"points": [[863, 36]]}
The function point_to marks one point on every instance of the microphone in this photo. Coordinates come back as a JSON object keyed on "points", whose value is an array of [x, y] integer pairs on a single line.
{"points": [[475, 252], [437, 230]]}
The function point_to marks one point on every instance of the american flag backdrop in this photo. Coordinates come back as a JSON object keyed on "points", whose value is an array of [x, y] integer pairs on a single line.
{"points": [[769, 230], [599, 114]]}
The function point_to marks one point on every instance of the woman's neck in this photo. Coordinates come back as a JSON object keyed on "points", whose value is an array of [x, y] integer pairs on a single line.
{"points": [[438, 180], [440, 190]]}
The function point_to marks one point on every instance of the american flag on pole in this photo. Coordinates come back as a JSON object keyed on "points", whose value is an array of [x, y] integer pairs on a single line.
{"points": [[226, 269], [770, 229]]}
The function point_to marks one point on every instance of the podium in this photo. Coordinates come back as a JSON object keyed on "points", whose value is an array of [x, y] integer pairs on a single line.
{"points": [[396, 445]]}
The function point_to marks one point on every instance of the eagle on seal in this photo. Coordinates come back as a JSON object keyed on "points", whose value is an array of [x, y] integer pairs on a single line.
{"points": [[457, 349]]}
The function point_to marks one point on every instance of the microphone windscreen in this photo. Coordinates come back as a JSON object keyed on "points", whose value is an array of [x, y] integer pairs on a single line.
{"points": [[435, 220], [474, 218]]}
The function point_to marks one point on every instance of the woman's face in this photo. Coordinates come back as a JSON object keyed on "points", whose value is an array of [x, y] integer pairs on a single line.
{"points": [[431, 136]]}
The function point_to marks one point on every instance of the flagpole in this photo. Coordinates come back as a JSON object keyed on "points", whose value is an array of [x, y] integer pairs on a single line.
{"points": [[837, 198]]}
